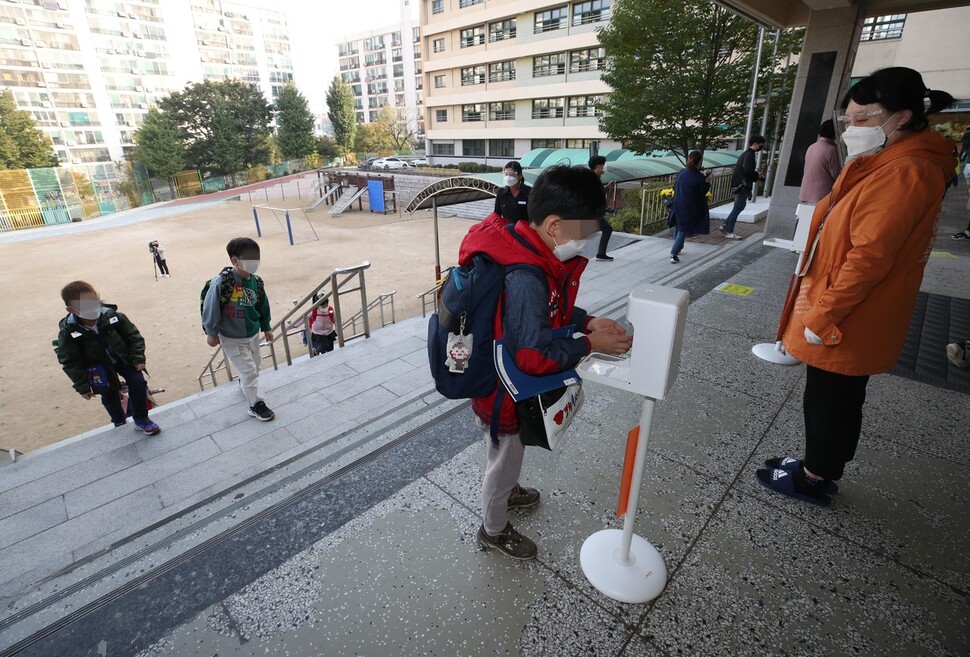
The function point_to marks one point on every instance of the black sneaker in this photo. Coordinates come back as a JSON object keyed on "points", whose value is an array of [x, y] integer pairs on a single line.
{"points": [[604, 258], [261, 412], [959, 353], [674, 258], [962, 235], [510, 543], [523, 498]]}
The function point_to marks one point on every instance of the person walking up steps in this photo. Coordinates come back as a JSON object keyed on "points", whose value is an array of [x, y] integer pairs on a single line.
{"points": [[96, 345], [235, 311], [744, 177]]}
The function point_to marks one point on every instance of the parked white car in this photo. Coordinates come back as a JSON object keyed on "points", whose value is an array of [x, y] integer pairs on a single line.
{"points": [[420, 162], [388, 163]]}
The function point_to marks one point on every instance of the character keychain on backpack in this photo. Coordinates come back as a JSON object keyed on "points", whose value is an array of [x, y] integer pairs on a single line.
{"points": [[458, 351]]}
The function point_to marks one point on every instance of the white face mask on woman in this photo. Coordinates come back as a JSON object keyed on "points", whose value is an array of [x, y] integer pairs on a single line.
{"points": [[511, 181], [864, 140]]}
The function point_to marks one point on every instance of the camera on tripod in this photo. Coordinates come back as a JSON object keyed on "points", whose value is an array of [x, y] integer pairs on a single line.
{"points": [[153, 247]]}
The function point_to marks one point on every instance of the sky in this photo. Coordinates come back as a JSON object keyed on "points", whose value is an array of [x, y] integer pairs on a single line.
{"points": [[317, 26]]}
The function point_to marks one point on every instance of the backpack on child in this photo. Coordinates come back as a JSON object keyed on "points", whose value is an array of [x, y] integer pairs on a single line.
{"points": [[461, 332], [226, 284]]}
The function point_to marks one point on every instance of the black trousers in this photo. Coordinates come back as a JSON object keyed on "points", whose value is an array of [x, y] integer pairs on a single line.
{"points": [[162, 266], [833, 420], [607, 230], [137, 396]]}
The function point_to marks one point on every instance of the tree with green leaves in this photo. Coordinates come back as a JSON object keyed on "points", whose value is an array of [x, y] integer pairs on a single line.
{"points": [[159, 147], [224, 125], [343, 116], [294, 124], [370, 138], [679, 74], [22, 145]]}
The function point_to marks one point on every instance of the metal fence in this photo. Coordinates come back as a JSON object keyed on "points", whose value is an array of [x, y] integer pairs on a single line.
{"points": [[48, 196]]}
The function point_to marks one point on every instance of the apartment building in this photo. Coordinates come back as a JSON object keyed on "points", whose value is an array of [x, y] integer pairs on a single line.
{"points": [[383, 67], [88, 70], [932, 42], [506, 76]]}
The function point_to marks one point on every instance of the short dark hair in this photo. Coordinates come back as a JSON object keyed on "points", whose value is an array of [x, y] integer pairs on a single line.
{"points": [[238, 246], [899, 88], [694, 160], [827, 129], [72, 291], [515, 166], [569, 192], [596, 161], [756, 139]]}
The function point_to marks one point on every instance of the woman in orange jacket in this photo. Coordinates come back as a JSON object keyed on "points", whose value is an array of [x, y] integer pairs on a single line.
{"points": [[873, 236]]}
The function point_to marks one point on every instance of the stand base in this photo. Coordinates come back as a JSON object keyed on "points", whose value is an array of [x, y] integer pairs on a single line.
{"points": [[641, 580], [769, 352]]}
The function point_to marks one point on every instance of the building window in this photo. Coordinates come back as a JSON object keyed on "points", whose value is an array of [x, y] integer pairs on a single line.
{"points": [[398, 70], [501, 148], [501, 71], [439, 82], [593, 59], [473, 113], [468, 3], [578, 143], [548, 65], [501, 30], [417, 51], [473, 36], [396, 55], [416, 34], [883, 27], [473, 147], [504, 111], [584, 106], [441, 116], [591, 11], [546, 143], [551, 19], [442, 149], [437, 7], [374, 43], [472, 75], [547, 108], [438, 45]]}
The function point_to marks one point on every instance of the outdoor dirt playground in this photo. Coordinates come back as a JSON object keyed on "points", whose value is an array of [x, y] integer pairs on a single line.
{"points": [[39, 407]]}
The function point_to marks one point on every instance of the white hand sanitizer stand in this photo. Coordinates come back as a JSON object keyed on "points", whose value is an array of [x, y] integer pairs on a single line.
{"points": [[620, 564], [774, 352]]}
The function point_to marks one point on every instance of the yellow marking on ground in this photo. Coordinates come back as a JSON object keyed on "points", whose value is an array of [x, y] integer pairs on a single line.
{"points": [[735, 289]]}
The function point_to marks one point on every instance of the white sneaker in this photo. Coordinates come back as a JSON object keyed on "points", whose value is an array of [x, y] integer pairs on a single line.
{"points": [[732, 236], [959, 353]]}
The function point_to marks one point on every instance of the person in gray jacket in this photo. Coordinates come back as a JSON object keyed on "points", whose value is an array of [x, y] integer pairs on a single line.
{"points": [[235, 312]]}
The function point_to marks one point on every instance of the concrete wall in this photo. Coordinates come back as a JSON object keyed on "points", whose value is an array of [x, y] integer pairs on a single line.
{"points": [[934, 43]]}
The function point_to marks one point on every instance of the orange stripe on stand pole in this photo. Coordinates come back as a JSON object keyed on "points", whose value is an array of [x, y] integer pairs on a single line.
{"points": [[626, 481]]}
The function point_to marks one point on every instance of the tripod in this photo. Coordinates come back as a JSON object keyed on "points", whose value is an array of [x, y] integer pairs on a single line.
{"points": [[154, 264]]}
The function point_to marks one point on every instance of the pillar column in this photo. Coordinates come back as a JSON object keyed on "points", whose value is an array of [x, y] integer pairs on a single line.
{"points": [[825, 65]]}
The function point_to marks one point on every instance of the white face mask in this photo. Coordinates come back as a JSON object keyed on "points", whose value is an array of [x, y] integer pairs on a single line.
{"points": [[864, 140], [87, 308], [511, 181], [570, 249], [249, 266]]}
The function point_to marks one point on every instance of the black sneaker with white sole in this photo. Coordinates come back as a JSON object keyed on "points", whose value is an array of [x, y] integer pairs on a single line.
{"points": [[509, 542], [261, 412]]}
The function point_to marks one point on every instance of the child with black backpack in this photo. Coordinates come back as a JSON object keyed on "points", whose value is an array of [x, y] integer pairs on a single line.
{"points": [[542, 265], [235, 310], [96, 345]]}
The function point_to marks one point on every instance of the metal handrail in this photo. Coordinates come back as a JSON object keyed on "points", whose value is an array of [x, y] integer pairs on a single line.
{"points": [[433, 291], [379, 302], [284, 328]]}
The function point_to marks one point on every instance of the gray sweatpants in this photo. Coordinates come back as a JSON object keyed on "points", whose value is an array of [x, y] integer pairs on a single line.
{"points": [[502, 469]]}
